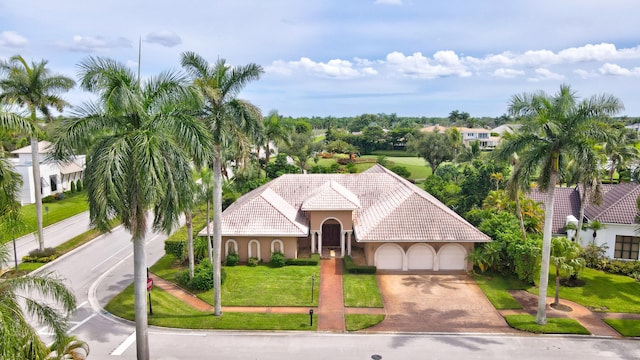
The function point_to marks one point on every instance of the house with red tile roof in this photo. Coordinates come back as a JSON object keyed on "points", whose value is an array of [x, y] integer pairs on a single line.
{"points": [[377, 214], [618, 212]]}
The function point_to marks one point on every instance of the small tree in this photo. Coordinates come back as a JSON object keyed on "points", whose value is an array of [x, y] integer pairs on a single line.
{"points": [[73, 187], [565, 256]]}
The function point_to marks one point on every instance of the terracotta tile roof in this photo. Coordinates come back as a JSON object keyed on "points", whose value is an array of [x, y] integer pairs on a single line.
{"points": [[619, 205], [331, 196], [566, 201], [390, 208]]}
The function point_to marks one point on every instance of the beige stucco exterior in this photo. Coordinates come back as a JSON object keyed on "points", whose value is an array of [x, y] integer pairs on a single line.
{"points": [[261, 247], [316, 218]]}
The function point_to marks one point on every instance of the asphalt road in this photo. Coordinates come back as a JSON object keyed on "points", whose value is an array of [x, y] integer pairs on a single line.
{"points": [[102, 268]]}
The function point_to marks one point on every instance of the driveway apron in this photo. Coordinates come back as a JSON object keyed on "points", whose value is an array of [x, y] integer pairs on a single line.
{"points": [[436, 303]]}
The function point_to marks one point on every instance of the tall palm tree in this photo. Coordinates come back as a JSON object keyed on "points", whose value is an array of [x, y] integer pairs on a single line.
{"points": [[455, 140], [18, 300], [556, 126], [33, 87], [224, 114], [586, 169], [141, 138]]}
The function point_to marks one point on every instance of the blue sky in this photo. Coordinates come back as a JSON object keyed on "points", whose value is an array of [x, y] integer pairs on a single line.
{"points": [[345, 58]]}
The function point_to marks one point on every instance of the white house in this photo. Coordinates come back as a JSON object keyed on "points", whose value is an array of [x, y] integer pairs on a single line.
{"points": [[54, 177], [470, 135], [618, 212]]}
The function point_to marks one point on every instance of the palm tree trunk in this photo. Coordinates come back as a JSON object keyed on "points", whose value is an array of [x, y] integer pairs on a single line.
{"points": [[189, 223], [267, 154], [583, 203], [520, 217], [209, 246], [557, 299], [140, 296], [37, 186], [217, 230], [541, 318]]}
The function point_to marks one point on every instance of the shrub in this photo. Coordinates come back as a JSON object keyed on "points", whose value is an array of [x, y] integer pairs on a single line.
{"points": [[73, 187], [58, 196], [202, 277], [41, 256], [175, 248], [401, 170], [232, 259], [253, 261], [594, 254], [79, 185], [352, 268], [278, 259], [48, 199], [310, 261], [344, 161]]}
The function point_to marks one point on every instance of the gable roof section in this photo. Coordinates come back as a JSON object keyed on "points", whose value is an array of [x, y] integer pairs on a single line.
{"points": [[619, 205], [386, 208], [331, 196], [566, 201], [44, 147]]}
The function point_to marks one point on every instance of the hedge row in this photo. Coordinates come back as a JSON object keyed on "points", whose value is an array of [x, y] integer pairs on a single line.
{"points": [[311, 261], [174, 247], [41, 256], [352, 268]]}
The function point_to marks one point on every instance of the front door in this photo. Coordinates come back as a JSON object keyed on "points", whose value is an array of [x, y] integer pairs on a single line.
{"points": [[331, 235]]}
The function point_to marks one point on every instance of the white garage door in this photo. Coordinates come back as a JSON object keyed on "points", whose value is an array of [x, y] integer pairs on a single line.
{"points": [[452, 257], [420, 257], [389, 257]]}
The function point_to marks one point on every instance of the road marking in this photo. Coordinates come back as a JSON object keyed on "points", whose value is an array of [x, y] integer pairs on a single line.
{"points": [[82, 322], [81, 305], [110, 257], [124, 345]]}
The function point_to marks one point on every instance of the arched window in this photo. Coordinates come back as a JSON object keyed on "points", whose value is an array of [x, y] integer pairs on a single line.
{"points": [[277, 246], [230, 247], [254, 249]]}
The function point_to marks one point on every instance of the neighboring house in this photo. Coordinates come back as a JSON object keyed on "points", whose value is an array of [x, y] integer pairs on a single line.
{"points": [[391, 222], [470, 135], [510, 128], [635, 127], [618, 212], [54, 177]]}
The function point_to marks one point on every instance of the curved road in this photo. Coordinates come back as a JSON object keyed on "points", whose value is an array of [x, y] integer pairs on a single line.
{"points": [[102, 268]]}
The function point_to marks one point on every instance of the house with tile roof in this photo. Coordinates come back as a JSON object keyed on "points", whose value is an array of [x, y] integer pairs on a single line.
{"points": [[388, 221], [54, 177], [618, 212], [470, 135]]}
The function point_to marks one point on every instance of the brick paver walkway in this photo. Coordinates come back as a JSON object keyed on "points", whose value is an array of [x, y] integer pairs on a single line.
{"points": [[331, 302]]}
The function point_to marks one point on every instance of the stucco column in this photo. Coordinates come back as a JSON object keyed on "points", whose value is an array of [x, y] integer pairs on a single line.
{"points": [[342, 236], [313, 242], [349, 242], [320, 243]]}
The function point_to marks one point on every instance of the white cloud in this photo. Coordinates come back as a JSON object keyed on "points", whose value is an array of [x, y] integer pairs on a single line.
{"points": [[444, 63], [585, 74], [164, 38], [12, 39], [617, 70], [95, 43], [389, 2], [507, 73], [546, 74], [336, 68]]}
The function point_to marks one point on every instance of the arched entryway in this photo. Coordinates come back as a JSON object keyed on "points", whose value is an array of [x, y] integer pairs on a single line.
{"points": [[331, 230]]}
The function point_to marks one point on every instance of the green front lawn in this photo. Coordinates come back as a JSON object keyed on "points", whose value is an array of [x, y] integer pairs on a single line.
{"points": [[266, 286], [355, 322], [553, 326], [168, 311], [72, 204], [361, 290], [626, 327], [495, 287], [416, 165], [602, 292]]}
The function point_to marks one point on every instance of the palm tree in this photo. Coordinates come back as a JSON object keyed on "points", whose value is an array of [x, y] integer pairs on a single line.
{"points": [[141, 138], [455, 140], [35, 88], [68, 348], [276, 131], [224, 114], [565, 255], [586, 170], [17, 301], [619, 148], [556, 127]]}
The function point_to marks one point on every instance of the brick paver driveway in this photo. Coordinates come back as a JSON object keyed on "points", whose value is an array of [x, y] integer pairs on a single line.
{"points": [[436, 303]]}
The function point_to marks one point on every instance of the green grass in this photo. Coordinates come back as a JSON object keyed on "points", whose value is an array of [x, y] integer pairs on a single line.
{"points": [[72, 204], [169, 311], [416, 165], [265, 286], [626, 327], [495, 287], [601, 292], [392, 153], [553, 326], [165, 267], [361, 290], [355, 322]]}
